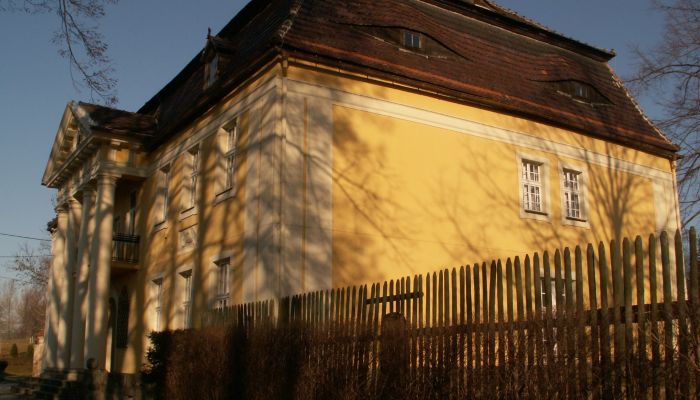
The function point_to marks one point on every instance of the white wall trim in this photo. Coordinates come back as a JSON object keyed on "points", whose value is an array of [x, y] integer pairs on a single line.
{"points": [[472, 128]]}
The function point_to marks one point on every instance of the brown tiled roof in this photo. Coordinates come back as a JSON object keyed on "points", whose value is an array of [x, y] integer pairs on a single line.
{"points": [[504, 61], [119, 121]]}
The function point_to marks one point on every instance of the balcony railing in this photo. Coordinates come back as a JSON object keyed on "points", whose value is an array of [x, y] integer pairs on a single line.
{"points": [[125, 248]]}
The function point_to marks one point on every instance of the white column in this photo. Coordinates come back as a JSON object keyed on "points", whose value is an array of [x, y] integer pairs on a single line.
{"points": [[53, 305], [100, 264], [87, 226], [66, 290]]}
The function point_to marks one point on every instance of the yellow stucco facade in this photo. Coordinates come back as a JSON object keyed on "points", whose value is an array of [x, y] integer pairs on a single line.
{"points": [[340, 180]]}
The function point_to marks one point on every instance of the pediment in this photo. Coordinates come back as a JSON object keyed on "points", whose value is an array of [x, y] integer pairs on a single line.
{"points": [[71, 130]]}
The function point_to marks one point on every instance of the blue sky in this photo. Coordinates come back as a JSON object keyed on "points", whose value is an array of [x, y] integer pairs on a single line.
{"points": [[150, 41]]}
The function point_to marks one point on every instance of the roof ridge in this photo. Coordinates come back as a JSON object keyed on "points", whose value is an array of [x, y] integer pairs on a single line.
{"points": [[510, 13]]}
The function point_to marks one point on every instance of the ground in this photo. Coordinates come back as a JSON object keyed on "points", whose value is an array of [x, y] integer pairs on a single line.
{"points": [[20, 365]]}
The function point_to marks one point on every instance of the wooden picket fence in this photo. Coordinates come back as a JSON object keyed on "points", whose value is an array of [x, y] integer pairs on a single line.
{"points": [[615, 321]]}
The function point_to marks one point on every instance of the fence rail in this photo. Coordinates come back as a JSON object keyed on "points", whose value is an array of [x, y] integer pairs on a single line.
{"points": [[616, 321]]}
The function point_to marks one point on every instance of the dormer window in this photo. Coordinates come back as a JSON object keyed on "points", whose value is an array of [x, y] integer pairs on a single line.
{"points": [[412, 40], [581, 91], [211, 71]]}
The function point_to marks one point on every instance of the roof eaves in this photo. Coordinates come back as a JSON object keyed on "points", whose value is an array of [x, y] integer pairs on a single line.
{"points": [[212, 96], [656, 129], [474, 99]]}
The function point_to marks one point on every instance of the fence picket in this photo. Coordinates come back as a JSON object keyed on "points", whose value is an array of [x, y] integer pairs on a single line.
{"points": [[654, 319], [492, 325], [641, 316], [629, 347], [509, 311], [583, 344], [548, 316], [618, 302], [694, 296], [478, 343], [538, 324], [501, 318], [570, 323], [683, 359], [668, 323], [529, 314]]}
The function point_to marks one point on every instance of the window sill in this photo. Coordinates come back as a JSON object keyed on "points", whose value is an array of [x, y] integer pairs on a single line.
{"points": [[188, 212], [579, 222], [537, 215], [160, 226], [225, 195], [535, 212]]}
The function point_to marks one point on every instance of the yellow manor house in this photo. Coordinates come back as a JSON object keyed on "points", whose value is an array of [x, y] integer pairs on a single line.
{"points": [[323, 143]]}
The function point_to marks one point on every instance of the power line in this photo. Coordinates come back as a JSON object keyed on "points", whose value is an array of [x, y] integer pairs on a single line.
{"points": [[24, 237]]}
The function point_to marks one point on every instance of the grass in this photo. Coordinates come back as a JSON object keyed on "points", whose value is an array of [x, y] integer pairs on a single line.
{"points": [[22, 364]]}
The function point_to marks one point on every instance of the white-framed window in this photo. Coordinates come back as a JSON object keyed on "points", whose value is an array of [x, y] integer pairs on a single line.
{"points": [[163, 192], [533, 181], [223, 294], [186, 310], [157, 302], [411, 40], [192, 179], [533, 193], [229, 148], [572, 193]]}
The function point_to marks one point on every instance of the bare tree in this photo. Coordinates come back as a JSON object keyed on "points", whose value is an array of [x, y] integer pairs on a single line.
{"points": [[671, 71], [31, 310], [79, 40], [22, 311], [33, 264], [8, 314]]}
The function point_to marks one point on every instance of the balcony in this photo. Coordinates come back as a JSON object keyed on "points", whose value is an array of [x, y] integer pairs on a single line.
{"points": [[125, 250]]}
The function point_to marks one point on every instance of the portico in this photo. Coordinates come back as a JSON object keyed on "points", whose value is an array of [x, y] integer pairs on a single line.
{"points": [[88, 161]]}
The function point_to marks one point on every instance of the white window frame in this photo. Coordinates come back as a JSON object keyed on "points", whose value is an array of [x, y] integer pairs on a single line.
{"points": [[223, 283], [412, 40], [190, 196], [582, 174], [544, 213], [216, 297], [229, 143], [157, 296], [163, 195], [186, 278]]}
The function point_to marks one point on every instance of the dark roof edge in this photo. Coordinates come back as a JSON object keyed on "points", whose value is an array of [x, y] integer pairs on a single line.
{"points": [[214, 94], [513, 22], [669, 151], [242, 18]]}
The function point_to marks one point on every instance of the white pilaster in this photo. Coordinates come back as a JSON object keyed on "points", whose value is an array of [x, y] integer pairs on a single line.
{"points": [[100, 264], [87, 226]]}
